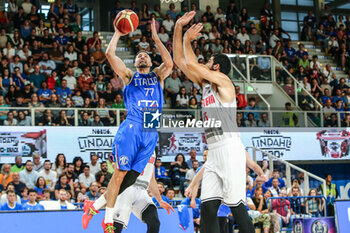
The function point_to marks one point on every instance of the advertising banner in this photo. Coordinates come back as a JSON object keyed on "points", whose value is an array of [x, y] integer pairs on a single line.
{"points": [[314, 225], [342, 208], [291, 144]]}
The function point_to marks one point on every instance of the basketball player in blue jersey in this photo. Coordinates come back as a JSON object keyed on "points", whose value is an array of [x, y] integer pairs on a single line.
{"points": [[133, 145]]}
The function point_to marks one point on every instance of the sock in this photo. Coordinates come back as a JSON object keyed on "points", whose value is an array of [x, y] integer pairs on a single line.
{"points": [[109, 215], [100, 202]]}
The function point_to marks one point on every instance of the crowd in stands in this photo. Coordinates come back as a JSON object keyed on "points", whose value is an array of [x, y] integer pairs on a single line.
{"points": [[42, 185]]}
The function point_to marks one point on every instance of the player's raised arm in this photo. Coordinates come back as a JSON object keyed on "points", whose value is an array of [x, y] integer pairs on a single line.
{"points": [[165, 68], [117, 64], [155, 191], [179, 57], [220, 79]]}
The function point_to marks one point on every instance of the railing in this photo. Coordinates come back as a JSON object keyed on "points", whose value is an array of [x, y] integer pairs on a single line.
{"points": [[288, 165], [267, 69], [301, 208], [275, 117]]}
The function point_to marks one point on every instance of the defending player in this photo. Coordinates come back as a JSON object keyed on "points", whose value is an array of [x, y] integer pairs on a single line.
{"points": [[136, 199], [133, 146], [224, 176]]}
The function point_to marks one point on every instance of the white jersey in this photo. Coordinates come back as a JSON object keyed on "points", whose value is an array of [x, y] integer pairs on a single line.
{"points": [[145, 177], [214, 110]]}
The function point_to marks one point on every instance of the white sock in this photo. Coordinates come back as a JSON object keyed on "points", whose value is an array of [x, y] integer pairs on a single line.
{"points": [[109, 215], [100, 202]]}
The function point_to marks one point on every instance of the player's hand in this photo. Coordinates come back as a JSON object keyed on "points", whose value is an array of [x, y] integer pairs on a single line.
{"points": [[193, 204], [166, 206], [194, 31], [119, 32], [189, 191], [264, 177], [186, 18], [154, 30]]}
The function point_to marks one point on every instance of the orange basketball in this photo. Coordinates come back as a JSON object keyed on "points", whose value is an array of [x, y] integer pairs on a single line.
{"points": [[126, 21]]}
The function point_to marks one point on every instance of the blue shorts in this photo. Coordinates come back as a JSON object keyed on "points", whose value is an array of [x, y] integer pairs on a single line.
{"points": [[133, 146]]}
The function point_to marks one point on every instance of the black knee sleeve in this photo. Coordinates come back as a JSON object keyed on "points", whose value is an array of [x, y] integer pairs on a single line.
{"points": [[240, 214], [209, 221], [150, 217], [118, 227], [223, 224], [128, 180]]}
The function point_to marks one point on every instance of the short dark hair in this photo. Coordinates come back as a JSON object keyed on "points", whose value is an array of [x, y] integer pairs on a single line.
{"points": [[86, 166], [224, 62], [31, 191], [288, 104]]}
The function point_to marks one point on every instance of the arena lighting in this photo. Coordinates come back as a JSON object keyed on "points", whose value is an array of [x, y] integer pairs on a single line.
{"points": [[298, 42], [51, 0]]}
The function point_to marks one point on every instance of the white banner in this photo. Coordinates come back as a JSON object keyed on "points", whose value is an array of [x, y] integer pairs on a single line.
{"points": [[286, 143], [71, 141]]}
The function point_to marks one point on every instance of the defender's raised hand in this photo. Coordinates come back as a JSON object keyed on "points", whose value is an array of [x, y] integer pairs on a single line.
{"points": [[186, 18], [194, 31], [154, 30]]}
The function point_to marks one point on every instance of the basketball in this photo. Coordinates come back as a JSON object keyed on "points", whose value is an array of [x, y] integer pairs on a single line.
{"points": [[126, 21]]}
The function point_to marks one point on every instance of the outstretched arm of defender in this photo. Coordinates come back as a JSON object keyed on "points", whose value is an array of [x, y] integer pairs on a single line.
{"points": [[117, 64], [165, 68], [193, 187], [155, 192], [220, 79], [179, 57]]}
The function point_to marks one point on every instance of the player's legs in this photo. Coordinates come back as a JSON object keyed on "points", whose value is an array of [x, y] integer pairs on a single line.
{"points": [[150, 217], [211, 197], [209, 220], [223, 224], [241, 216]]}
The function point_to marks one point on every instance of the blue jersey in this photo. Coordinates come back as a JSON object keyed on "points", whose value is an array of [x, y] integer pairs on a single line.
{"points": [[6, 207], [142, 93], [196, 211], [224, 211], [37, 206]]}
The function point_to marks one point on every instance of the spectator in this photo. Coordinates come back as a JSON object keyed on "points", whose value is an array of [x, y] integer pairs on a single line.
{"points": [[168, 23], [282, 208], [93, 41], [84, 80], [10, 121], [49, 175], [172, 86], [264, 65], [331, 193], [71, 54], [195, 204], [71, 176], [28, 175], [6, 175], [313, 205], [60, 164], [32, 204], [289, 118], [241, 98], [18, 166], [61, 39], [252, 106], [78, 165], [9, 187], [71, 9], [63, 92], [97, 121], [276, 174], [190, 174], [18, 185], [36, 78], [85, 179], [104, 172], [161, 174], [93, 194], [62, 183], [182, 98], [161, 190], [93, 165], [178, 170], [85, 120], [264, 122], [346, 121], [62, 200], [297, 204], [37, 164], [250, 122], [259, 204], [11, 204]]}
